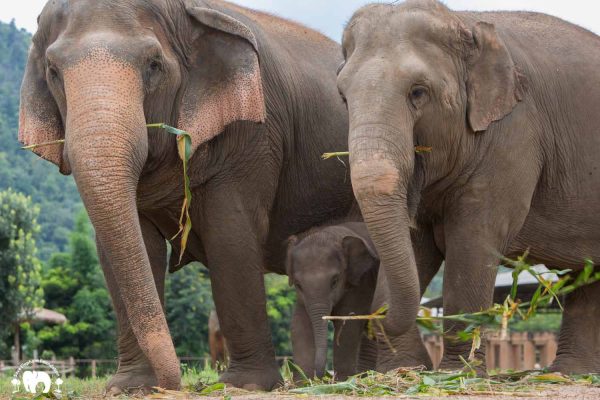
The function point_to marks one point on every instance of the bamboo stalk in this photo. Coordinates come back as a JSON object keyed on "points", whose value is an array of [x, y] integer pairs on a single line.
{"points": [[352, 317], [35, 146], [327, 156]]}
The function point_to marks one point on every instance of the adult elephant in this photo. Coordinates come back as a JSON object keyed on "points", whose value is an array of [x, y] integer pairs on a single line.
{"points": [[509, 103], [257, 95]]}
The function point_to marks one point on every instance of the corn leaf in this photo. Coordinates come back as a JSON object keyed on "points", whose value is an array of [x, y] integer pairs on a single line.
{"points": [[184, 149]]}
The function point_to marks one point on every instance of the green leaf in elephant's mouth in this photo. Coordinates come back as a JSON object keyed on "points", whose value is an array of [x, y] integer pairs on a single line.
{"points": [[184, 147]]}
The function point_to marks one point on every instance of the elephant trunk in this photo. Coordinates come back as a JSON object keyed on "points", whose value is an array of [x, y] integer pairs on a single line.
{"points": [[319, 325], [107, 146], [382, 163]]}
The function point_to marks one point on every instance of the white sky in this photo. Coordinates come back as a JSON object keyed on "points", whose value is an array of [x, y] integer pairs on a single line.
{"points": [[329, 16]]}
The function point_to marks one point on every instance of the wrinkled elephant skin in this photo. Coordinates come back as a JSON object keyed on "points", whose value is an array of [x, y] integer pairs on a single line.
{"points": [[257, 95], [508, 103]]}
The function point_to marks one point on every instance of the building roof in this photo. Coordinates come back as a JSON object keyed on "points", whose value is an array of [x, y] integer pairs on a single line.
{"points": [[44, 315], [528, 284]]}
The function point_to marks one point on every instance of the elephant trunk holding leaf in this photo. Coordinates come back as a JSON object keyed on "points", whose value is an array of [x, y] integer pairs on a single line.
{"points": [[508, 103], [256, 94]]}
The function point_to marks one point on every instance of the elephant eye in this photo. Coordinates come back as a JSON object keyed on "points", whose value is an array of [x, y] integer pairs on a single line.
{"points": [[155, 66], [418, 96], [52, 72], [335, 281], [340, 67]]}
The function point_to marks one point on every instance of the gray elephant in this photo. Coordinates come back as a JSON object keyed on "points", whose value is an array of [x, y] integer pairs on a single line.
{"points": [[508, 103], [334, 269], [257, 95]]}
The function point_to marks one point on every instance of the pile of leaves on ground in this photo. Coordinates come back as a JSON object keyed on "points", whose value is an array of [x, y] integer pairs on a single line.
{"points": [[412, 382]]}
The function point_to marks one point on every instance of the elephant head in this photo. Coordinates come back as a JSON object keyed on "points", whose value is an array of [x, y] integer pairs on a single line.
{"points": [[415, 75], [97, 73], [321, 266]]}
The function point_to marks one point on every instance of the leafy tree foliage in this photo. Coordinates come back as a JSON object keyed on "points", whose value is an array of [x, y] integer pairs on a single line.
{"points": [[21, 170], [189, 302], [188, 305], [20, 270], [280, 306], [73, 285]]}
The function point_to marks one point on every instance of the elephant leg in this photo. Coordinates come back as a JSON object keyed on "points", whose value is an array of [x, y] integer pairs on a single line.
{"points": [[134, 371], [234, 227], [469, 278], [579, 339], [428, 257], [303, 343], [45, 379], [346, 347], [408, 350], [367, 357], [348, 334]]}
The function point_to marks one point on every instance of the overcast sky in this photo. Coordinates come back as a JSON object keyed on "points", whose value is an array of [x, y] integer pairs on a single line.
{"points": [[329, 16]]}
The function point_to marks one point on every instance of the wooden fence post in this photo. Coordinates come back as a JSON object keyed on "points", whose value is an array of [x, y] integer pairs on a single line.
{"points": [[94, 369]]}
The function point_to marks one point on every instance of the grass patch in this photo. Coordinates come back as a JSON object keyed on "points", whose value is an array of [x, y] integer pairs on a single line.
{"points": [[198, 383]]}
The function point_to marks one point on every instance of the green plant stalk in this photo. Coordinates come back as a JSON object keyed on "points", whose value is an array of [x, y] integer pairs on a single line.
{"points": [[184, 148], [547, 292], [35, 146], [327, 156]]}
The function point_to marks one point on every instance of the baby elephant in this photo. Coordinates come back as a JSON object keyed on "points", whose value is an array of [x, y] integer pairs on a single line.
{"points": [[334, 269]]}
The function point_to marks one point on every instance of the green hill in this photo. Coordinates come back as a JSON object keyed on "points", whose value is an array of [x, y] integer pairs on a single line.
{"points": [[22, 170]]}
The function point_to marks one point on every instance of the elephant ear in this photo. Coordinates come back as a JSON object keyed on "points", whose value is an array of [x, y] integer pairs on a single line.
{"points": [[360, 254], [493, 85], [225, 83], [39, 118]]}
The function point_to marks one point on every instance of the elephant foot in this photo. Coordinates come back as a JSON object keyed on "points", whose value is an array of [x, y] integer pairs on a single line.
{"points": [[131, 381], [252, 379], [573, 366]]}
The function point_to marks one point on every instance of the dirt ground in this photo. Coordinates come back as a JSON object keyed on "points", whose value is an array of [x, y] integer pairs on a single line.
{"points": [[571, 392], [563, 392]]}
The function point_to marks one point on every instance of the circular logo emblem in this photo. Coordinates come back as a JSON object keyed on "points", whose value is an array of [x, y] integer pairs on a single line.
{"points": [[37, 376]]}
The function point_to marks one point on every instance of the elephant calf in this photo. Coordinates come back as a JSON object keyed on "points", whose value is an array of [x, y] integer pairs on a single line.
{"points": [[335, 272]]}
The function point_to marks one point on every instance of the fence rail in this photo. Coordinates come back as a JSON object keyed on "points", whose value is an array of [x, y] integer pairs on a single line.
{"points": [[518, 351], [97, 367]]}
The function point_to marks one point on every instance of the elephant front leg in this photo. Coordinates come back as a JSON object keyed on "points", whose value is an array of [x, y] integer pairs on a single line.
{"points": [[348, 334], [579, 340], [134, 373], [232, 235], [469, 277], [346, 347]]}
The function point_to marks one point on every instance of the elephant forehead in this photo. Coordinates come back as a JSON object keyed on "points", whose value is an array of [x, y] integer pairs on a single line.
{"points": [[428, 21], [315, 252]]}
